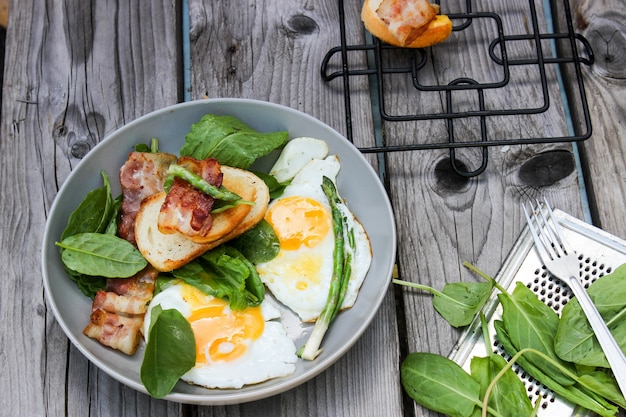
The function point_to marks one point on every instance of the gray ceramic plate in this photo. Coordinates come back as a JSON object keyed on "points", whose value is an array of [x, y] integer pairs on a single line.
{"points": [[357, 182]]}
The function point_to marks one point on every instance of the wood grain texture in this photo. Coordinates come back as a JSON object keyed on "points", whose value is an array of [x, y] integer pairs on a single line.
{"points": [[603, 23], [75, 72], [78, 70]]}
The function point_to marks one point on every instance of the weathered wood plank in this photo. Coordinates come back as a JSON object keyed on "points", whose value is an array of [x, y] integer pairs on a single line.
{"points": [[75, 71], [446, 219], [273, 51], [603, 24]]}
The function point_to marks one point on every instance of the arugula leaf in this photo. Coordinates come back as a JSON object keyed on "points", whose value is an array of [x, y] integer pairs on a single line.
{"points": [[100, 254], [230, 141], [170, 351], [575, 340]]}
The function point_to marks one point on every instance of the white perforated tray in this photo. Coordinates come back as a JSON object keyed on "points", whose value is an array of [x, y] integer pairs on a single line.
{"points": [[599, 253]]}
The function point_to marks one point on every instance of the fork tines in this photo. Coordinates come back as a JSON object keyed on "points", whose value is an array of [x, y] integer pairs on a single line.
{"points": [[549, 241]]}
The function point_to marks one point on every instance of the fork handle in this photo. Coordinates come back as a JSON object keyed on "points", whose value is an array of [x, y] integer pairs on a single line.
{"points": [[609, 345]]}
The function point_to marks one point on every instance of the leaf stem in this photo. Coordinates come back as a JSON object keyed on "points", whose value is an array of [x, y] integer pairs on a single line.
{"points": [[428, 289]]}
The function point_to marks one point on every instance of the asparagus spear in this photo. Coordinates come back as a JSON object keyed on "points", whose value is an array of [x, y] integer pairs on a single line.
{"points": [[342, 268], [218, 193]]}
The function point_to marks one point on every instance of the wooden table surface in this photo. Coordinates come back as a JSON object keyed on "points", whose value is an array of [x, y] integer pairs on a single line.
{"points": [[78, 70]]}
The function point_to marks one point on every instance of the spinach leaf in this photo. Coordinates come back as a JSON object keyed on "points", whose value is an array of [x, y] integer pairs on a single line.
{"points": [[230, 141], [507, 393], [255, 290], [93, 213], [461, 301], [575, 340], [101, 255], [573, 393], [605, 385], [276, 188], [170, 351], [259, 244], [87, 284], [224, 273], [458, 302], [116, 207], [439, 384], [508, 396], [532, 324]]}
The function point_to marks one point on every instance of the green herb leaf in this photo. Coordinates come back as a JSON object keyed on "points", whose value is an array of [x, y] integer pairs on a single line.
{"points": [[116, 207], [573, 392], [605, 385], [224, 273], [461, 301], [276, 188], [532, 324], [87, 284], [170, 351], [508, 396], [259, 244], [439, 384], [93, 213], [575, 340], [230, 141], [458, 302], [101, 255]]}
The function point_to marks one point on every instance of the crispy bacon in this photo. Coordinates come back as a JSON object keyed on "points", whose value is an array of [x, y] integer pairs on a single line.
{"points": [[115, 330], [141, 176], [407, 19], [118, 311], [186, 209]]}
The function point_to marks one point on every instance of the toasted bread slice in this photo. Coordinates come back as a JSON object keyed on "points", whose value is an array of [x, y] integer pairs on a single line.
{"points": [[167, 252], [435, 31]]}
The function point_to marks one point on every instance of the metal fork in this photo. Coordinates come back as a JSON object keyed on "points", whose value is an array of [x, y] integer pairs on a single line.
{"points": [[562, 262]]}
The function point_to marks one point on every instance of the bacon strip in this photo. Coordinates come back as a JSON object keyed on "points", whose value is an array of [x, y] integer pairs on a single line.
{"points": [[141, 176], [186, 209], [118, 311]]}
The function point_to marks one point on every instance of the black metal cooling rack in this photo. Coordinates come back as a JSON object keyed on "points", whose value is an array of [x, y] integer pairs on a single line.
{"points": [[380, 66]]}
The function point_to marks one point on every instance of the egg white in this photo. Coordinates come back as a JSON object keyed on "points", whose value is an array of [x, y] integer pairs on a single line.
{"points": [[271, 355], [300, 278]]}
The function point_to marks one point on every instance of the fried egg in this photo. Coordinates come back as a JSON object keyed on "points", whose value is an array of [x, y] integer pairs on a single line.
{"points": [[233, 347], [300, 275]]}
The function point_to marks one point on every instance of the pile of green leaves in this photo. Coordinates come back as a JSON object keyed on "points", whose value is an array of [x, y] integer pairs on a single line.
{"points": [[90, 250], [560, 352]]}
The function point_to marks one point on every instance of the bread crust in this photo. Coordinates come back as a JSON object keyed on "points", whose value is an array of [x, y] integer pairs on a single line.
{"points": [[169, 251]]}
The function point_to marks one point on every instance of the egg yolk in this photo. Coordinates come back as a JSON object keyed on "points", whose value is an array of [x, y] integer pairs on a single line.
{"points": [[299, 221], [223, 334]]}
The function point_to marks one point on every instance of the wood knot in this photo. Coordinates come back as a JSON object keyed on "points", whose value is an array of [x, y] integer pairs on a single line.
{"points": [[607, 38], [79, 149], [197, 21], [547, 168], [447, 178], [302, 25]]}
